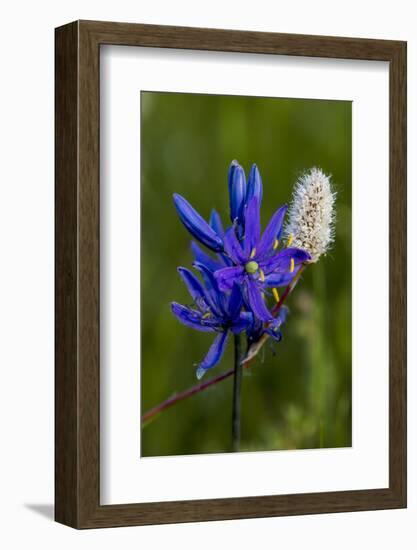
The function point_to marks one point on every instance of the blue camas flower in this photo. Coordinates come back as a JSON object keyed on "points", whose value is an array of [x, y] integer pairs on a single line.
{"points": [[258, 263], [212, 311], [239, 269]]}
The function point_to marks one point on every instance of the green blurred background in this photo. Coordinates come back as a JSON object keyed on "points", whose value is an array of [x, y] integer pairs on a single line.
{"points": [[301, 396]]}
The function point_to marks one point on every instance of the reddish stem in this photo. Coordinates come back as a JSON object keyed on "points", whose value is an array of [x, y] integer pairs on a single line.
{"points": [[182, 395]]}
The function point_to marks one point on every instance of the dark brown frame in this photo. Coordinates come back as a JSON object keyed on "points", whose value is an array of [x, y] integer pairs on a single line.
{"points": [[77, 274]]}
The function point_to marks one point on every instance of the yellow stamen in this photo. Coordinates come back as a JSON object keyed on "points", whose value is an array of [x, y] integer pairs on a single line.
{"points": [[261, 275], [252, 254], [290, 239], [276, 295], [292, 265], [206, 315], [276, 244]]}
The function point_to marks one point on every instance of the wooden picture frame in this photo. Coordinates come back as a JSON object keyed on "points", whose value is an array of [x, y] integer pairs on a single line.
{"points": [[77, 373]]}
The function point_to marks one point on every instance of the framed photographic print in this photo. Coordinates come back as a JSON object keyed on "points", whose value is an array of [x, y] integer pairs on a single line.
{"points": [[230, 274]]}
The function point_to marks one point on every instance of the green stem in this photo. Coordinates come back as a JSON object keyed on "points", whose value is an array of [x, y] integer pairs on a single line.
{"points": [[237, 395]]}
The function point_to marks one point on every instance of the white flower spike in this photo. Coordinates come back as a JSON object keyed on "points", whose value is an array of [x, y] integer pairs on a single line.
{"points": [[312, 214]]}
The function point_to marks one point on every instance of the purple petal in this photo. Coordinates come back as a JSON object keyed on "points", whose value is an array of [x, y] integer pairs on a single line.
{"points": [[235, 302], [266, 244], [232, 247], [214, 354], [192, 318], [256, 301], [194, 287], [216, 223], [280, 279], [215, 298], [273, 328], [255, 330], [225, 260], [275, 334], [227, 276], [252, 226], [244, 322], [204, 258], [282, 315], [196, 225], [254, 188], [282, 260]]}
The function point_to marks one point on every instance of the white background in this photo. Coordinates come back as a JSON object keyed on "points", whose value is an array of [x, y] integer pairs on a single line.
{"points": [[126, 478], [26, 295]]}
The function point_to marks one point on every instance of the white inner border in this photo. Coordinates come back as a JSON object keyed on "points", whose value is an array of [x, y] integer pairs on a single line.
{"points": [[125, 477]]}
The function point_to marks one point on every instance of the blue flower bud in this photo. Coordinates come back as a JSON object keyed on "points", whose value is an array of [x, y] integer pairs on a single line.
{"points": [[254, 188], [237, 190]]}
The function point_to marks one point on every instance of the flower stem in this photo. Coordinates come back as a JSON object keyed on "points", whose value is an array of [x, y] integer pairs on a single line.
{"points": [[155, 411], [237, 395]]}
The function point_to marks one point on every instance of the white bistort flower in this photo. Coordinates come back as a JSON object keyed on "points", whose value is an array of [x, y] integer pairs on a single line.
{"points": [[311, 215]]}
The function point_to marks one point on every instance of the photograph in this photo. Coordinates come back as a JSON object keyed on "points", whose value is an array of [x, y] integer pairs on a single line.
{"points": [[245, 273], [209, 246]]}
